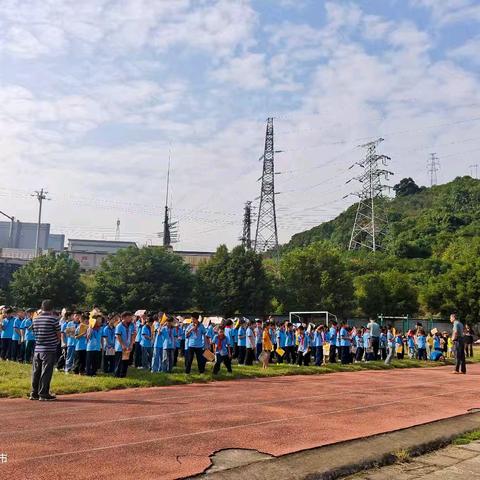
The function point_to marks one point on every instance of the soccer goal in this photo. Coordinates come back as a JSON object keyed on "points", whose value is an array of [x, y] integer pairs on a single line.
{"points": [[322, 315]]}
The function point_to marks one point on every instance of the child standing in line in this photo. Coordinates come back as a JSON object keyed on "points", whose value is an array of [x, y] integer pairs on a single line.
{"points": [[390, 345], [367, 345], [223, 352], [318, 341], [29, 335], [289, 344], [242, 342], [169, 340], [157, 356], [422, 344], [399, 345], [108, 337], [303, 346], [94, 347], [146, 344], [360, 347], [411, 344], [81, 345]]}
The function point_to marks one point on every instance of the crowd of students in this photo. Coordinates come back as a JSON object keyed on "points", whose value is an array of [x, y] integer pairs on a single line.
{"points": [[92, 340]]}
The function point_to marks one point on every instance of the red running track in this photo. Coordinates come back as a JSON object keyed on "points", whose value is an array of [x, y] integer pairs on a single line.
{"points": [[170, 432]]}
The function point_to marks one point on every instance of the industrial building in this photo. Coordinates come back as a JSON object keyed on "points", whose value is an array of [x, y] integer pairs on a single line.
{"points": [[23, 235]]}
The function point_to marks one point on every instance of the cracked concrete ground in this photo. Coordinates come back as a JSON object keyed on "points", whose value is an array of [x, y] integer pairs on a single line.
{"points": [[460, 462]]}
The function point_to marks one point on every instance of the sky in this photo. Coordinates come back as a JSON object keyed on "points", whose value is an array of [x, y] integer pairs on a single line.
{"points": [[97, 95]]}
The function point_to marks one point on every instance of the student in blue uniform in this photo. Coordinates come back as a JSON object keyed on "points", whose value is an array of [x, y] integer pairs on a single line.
{"points": [[359, 344], [223, 351], [69, 335], [234, 337], [367, 345], [16, 338], [180, 336], [94, 347], [250, 344], [290, 354], [169, 335], [421, 344], [7, 332], [303, 347], [137, 348], [242, 342], [28, 335], [81, 346], [124, 339], [281, 337], [195, 340], [344, 337], [157, 355], [258, 338], [390, 345], [332, 340], [318, 338], [108, 339], [382, 342], [146, 344]]}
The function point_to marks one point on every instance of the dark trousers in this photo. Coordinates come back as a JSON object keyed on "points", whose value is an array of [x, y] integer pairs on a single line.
{"points": [[290, 355], [21, 352], [383, 352], [242, 353], [108, 363], [460, 364], [345, 355], [62, 358], [258, 350], [6, 348], [121, 366], [422, 353], [137, 355], [29, 348], [359, 354], [250, 356], [195, 352], [219, 359], [332, 356], [93, 362], [469, 349], [42, 370], [375, 346], [303, 358], [14, 350], [318, 355], [80, 361]]}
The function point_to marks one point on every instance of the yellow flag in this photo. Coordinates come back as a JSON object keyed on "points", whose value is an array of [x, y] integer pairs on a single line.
{"points": [[164, 318]]}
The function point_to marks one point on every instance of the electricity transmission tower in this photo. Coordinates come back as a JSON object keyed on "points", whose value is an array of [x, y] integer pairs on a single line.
{"points": [[40, 196], [266, 235], [433, 165], [117, 231], [370, 221], [474, 170], [246, 238]]}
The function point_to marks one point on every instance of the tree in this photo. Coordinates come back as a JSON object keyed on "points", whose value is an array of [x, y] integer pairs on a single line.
{"points": [[407, 186], [372, 294], [315, 278], [149, 277], [52, 276], [233, 282]]}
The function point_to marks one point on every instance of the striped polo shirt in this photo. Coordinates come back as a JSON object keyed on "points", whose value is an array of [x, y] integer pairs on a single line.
{"points": [[46, 328]]}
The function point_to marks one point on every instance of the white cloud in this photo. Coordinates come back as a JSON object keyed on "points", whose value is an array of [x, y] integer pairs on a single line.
{"points": [[469, 51], [451, 11], [247, 72]]}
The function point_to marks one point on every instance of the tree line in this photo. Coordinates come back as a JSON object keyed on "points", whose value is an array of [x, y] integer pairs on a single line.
{"points": [[320, 276]]}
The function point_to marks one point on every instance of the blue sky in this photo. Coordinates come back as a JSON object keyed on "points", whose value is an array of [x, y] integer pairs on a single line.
{"points": [[96, 95]]}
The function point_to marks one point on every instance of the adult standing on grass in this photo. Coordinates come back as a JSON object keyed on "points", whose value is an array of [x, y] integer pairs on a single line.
{"points": [[375, 331], [459, 344], [47, 336], [195, 338]]}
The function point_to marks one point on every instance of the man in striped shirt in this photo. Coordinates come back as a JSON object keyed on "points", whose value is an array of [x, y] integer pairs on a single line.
{"points": [[47, 335]]}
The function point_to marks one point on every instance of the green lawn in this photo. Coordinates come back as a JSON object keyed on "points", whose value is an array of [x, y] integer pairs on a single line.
{"points": [[15, 377]]}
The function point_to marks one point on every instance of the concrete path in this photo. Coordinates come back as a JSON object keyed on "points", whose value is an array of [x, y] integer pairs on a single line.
{"points": [[172, 432], [451, 463]]}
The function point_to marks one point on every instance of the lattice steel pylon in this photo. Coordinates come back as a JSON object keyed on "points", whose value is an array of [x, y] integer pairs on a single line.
{"points": [[433, 165], [370, 221], [266, 235], [246, 238]]}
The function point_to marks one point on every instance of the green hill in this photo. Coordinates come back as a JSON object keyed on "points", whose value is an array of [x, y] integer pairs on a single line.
{"points": [[422, 221]]}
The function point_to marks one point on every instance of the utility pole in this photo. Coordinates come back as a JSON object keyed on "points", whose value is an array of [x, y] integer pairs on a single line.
{"points": [[170, 233], [117, 231], [266, 236], [41, 196], [10, 232], [247, 226], [370, 221], [433, 165], [474, 168]]}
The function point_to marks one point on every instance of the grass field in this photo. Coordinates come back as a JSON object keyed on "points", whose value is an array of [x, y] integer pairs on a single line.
{"points": [[15, 377]]}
